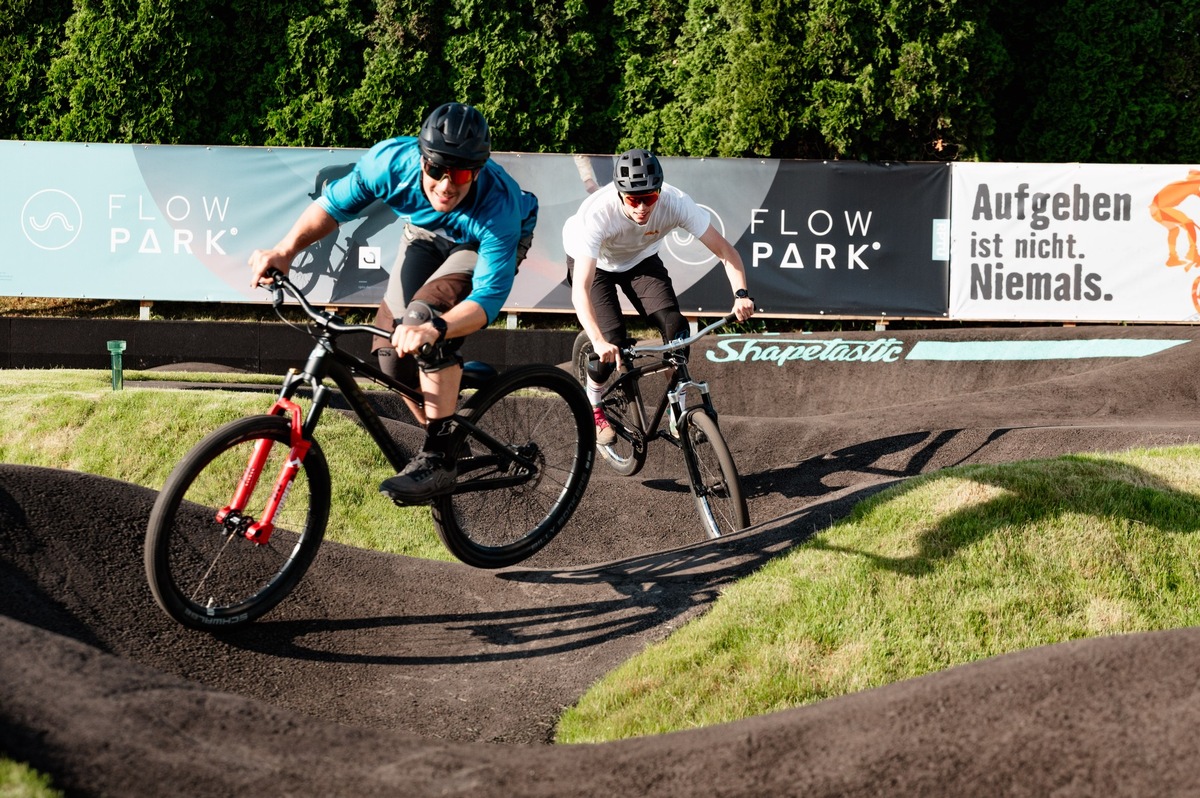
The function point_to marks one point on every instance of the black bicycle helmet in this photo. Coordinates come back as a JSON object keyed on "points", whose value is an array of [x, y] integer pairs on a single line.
{"points": [[637, 171], [456, 135]]}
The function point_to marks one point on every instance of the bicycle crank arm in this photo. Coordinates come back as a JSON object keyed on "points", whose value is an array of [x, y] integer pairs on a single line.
{"points": [[485, 482]]}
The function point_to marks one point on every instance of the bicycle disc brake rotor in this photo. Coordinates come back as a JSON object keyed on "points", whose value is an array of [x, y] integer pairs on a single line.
{"points": [[531, 451]]}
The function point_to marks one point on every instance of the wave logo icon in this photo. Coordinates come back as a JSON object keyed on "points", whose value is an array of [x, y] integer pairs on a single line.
{"points": [[51, 219], [687, 249]]}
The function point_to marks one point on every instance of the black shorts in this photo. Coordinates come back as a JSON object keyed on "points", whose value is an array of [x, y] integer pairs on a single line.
{"points": [[648, 288]]}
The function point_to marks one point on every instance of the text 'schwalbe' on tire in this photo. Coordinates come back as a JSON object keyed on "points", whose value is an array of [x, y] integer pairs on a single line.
{"points": [[716, 486], [208, 579], [543, 413]]}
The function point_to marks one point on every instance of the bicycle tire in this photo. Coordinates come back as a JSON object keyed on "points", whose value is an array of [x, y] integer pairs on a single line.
{"points": [[543, 413], [716, 486], [203, 575], [581, 351], [627, 454]]}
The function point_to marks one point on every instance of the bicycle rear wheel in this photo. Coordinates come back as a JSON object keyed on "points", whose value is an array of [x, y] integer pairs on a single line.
{"points": [[503, 511], [581, 352], [716, 486], [206, 574], [627, 454]]}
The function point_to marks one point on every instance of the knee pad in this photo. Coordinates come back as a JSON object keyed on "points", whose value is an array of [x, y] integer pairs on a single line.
{"points": [[599, 372], [401, 369], [417, 313], [443, 354], [671, 323]]}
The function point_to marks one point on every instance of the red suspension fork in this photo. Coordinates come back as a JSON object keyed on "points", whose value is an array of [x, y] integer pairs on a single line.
{"points": [[260, 531]]}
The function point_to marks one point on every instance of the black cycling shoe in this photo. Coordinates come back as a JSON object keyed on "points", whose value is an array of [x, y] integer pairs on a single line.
{"points": [[427, 476]]}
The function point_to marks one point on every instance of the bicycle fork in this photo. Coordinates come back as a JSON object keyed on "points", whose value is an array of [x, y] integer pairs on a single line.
{"points": [[677, 403], [231, 517]]}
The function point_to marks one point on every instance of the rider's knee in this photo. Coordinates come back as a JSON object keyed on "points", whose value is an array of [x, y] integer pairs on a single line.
{"points": [[417, 313], [441, 355], [599, 371], [671, 323]]}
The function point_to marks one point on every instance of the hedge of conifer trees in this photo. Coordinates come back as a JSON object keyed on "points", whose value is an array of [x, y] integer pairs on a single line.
{"points": [[1015, 80]]}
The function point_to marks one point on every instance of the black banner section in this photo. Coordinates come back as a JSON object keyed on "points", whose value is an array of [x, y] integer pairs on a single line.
{"points": [[843, 238]]}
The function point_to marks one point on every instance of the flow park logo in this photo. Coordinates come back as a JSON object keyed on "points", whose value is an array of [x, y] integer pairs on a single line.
{"points": [[51, 219]]}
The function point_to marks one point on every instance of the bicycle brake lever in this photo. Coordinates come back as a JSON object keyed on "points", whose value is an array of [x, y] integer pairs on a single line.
{"points": [[276, 288]]}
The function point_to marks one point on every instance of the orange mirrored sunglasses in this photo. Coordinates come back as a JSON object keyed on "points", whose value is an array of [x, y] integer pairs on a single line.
{"points": [[634, 200], [458, 177]]}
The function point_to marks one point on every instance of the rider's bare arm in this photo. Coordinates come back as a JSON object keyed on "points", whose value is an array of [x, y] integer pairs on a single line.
{"points": [[735, 271], [313, 225]]}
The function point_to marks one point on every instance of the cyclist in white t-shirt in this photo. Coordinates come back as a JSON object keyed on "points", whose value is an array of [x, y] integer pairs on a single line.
{"points": [[613, 240]]}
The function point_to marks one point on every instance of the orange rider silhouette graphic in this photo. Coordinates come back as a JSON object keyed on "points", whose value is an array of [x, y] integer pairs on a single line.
{"points": [[1165, 210]]}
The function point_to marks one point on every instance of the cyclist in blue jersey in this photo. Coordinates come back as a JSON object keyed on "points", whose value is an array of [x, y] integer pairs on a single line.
{"points": [[467, 227]]}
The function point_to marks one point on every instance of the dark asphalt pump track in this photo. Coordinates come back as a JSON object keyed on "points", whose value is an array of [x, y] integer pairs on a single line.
{"points": [[383, 675]]}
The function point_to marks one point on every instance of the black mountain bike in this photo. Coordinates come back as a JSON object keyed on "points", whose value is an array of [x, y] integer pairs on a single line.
{"points": [[691, 425], [240, 518]]}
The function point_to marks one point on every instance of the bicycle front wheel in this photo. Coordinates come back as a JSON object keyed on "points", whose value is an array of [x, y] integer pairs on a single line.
{"points": [[509, 504], [716, 486], [204, 572]]}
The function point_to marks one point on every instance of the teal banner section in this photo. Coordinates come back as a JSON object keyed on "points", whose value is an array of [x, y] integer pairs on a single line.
{"points": [[1039, 350], [178, 223]]}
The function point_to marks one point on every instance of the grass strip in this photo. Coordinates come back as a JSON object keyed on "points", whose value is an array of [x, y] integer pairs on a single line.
{"points": [[948, 568], [72, 419]]}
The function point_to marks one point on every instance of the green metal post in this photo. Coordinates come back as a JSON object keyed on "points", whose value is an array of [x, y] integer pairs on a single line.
{"points": [[115, 348]]}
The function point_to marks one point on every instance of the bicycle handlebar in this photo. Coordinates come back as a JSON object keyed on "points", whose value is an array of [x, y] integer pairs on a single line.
{"points": [[328, 321], [680, 343]]}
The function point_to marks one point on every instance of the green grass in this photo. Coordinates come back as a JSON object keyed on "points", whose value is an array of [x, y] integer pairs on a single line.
{"points": [[949, 568], [19, 781], [74, 420]]}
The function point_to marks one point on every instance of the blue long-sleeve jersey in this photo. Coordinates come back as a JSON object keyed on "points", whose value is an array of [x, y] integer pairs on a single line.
{"points": [[496, 214]]}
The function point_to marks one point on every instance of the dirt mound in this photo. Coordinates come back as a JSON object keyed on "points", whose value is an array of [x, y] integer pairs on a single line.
{"points": [[386, 675]]}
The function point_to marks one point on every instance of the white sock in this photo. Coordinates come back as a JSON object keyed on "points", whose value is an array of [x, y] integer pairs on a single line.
{"points": [[594, 393]]}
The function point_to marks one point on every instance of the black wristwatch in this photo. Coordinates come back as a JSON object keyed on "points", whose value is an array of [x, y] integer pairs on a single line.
{"points": [[741, 293], [439, 324]]}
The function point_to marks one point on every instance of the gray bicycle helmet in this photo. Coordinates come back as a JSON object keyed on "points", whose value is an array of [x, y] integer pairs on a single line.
{"points": [[456, 135], [637, 172]]}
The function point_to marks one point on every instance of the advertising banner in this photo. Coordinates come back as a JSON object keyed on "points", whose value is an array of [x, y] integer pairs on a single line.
{"points": [[843, 237], [178, 223], [1087, 242], [148, 222]]}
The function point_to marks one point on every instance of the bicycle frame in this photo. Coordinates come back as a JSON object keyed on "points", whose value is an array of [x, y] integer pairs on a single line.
{"points": [[674, 398], [328, 361]]}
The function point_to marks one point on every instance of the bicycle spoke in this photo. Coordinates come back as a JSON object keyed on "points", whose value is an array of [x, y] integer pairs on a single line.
{"points": [[206, 573], [510, 511], [716, 486]]}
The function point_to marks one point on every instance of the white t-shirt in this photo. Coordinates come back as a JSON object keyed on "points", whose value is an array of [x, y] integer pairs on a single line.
{"points": [[600, 230]]}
